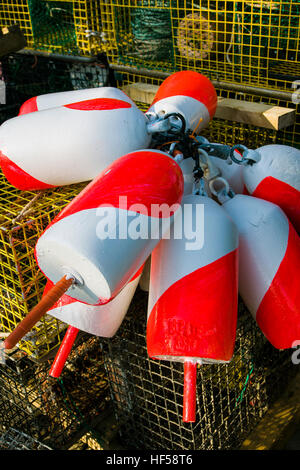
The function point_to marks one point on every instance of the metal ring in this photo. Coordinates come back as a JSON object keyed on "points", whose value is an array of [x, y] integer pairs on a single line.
{"points": [[225, 187], [237, 147]]}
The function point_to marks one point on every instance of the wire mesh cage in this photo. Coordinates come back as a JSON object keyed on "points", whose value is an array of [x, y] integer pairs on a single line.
{"points": [[249, 40], [56, 412], [17, 440], [231, 399], [225, 131], [61, 26], [24, 215], [30, 75]]}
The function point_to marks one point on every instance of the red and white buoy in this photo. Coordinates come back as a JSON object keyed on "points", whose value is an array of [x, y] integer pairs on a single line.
{"points": [[188, 93], [70, 143], [269, 267], [192, 310], [108, 231], [52, 100], [102, 320], [275, 177]]}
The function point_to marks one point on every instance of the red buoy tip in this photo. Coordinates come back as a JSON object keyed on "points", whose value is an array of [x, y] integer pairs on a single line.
{"points": [[63, 352], [189, 394]]}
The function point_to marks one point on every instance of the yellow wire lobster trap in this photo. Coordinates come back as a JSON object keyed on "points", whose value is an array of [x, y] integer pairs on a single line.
{"points": [[23, 217], [62, 26], [221, 130], [250, 41]]}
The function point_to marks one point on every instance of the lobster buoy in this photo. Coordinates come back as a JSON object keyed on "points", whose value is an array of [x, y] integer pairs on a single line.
{"points": [[188, 93], [61, 98], [269, 267], [192, 309], [102, 320], [108, 231], [275, 177], [70, 143]]}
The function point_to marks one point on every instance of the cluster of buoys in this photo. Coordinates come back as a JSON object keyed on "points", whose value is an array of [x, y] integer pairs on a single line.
{"points": [[212, 227]]}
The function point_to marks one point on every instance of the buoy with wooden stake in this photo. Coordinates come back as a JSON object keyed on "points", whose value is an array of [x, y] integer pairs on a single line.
{"points": [[269, 265], [192, 309], [108, 231], [103, 320]]}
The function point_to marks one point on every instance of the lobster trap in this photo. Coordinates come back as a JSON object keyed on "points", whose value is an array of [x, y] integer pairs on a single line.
{"points": [[56, 412], [221, 130], [248, 41], [27, 75], [62, 26], [18, 440], [24, 216], [147, 394]]}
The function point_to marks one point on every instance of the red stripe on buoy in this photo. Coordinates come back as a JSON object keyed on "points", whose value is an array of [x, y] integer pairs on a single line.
{"points": [[29, 106], [278, 315], [97, 104], [197, 315], [282, 194], [18, 177], [192, 84], [160, 182]]}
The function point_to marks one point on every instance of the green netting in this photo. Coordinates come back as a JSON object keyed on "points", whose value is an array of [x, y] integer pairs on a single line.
{"points": [[53, 26], [145, 33]]}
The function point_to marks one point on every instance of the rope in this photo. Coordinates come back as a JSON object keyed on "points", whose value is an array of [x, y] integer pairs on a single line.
{"points": [[240, 398], [152, 33]]}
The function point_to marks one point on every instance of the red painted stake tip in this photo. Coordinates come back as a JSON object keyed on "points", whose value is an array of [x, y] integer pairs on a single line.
{"points": [[189, 393], [63, 352]]}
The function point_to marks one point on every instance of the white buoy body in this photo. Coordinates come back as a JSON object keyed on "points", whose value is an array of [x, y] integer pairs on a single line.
{"points": [[188, 93], [101, 320], [71, 143], [109, 230], [61, 98], [192, 306], [276, 178], [269, 267]]}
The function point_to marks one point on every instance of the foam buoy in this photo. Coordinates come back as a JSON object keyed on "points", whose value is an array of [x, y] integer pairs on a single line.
{"points": [[192, 310], [269, 267], [275, 177], [61, 98], [70, 143], [188, 93], [108, 231], [103, 320]]}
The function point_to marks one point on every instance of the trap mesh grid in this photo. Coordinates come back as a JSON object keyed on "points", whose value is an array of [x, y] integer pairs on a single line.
{"points": [[147, 395], [23, 217], [26, 76], [249, 41], [63, 26], [56, 412], [229, 132], [17, 440]]}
